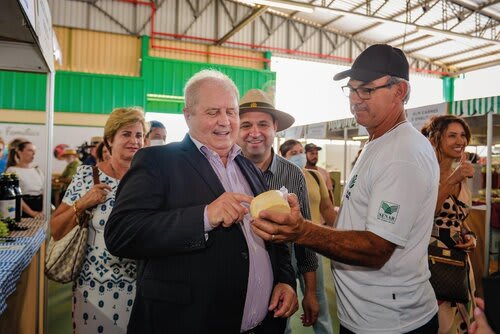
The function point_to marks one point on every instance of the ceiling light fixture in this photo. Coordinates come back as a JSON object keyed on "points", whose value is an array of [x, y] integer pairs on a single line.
{"points": [[291, 5]]}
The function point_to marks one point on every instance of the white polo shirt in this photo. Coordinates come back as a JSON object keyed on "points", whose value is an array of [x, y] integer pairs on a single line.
{"points": [[392, 192]]}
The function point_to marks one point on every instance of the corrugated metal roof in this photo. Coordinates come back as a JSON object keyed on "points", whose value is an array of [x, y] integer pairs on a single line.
{"points": [[439, 36], [444, 30]]}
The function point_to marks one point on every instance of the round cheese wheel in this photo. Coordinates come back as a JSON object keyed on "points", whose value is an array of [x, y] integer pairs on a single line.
{"points": [[270, 200]]}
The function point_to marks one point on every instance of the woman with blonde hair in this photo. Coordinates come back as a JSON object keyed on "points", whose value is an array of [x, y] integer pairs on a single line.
{"points": [[104, 292], [449, 135]]}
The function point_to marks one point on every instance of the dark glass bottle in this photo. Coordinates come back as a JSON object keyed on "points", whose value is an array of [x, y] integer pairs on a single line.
{"points": [[19, 196], [7, 198]]}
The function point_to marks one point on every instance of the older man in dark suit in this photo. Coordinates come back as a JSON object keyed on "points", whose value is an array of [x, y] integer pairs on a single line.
{"points": [[181, 210]]}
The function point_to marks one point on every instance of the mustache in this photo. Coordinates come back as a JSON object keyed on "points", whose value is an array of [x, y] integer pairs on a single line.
{"points": [[357, 107]]}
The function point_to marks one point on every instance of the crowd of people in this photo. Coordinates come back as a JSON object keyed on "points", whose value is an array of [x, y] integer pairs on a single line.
{"points": [[172, 247]]}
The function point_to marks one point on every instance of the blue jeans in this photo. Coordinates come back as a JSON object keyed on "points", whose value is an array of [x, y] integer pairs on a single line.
{"points": [[324, 323]]}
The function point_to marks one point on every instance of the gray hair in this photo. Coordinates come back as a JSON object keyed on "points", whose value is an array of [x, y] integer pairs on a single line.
{"points": [[396, 80], [216, 77]]}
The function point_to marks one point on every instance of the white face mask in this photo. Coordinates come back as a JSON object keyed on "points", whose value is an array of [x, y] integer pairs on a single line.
{"points": [[157, 142], [298, 160]]}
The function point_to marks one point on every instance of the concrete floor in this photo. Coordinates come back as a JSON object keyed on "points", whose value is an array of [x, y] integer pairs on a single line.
{"points": [[297, 327], [59, 307]]}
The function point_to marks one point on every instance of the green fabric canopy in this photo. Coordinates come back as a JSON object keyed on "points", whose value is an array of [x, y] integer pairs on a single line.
{"points": [[476, 107]]}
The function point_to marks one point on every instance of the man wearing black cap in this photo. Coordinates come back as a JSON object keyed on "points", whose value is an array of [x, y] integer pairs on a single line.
{"points": [[379, 246], [312, 159]]}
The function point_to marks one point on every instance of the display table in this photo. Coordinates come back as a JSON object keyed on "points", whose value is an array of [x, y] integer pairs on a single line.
{"points": [[22, 279]]}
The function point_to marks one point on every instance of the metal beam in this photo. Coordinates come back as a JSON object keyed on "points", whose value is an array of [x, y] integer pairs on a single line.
{"points": [[297, 30], [227, 12], [450, 55], [392, 40], [268, 28], [415, 40], [112, 18], [158, 6], [332, 43], [250, 18], [372, 25], [479, 8], [426, 11], [452, 17], [478, 67], [315, 31], [194, 10], [273, 31], [428, 46], [463, 60], [196, 18]]}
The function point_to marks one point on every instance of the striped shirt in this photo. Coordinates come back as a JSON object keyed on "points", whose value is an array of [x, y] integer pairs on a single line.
{"points": [[282, 173]]}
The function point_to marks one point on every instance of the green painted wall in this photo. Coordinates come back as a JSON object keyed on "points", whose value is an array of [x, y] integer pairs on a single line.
{"points": [[167, 77], [74, 92], [99, 93], [24, 91]]}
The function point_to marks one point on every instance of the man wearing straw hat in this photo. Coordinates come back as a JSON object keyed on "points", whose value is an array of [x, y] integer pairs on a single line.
{"points": [[259, 122], [379, 246], [71, 157]]}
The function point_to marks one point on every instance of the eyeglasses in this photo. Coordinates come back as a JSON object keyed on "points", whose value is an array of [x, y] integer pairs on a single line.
{"points": [[364, 93]]}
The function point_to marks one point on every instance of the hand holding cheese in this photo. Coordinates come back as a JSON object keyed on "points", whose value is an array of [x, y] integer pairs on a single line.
{"points": [[272, 200], [227, 209]]}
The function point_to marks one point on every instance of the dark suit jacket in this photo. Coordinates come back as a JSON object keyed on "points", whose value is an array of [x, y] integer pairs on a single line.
{"points": [[186, 284]]}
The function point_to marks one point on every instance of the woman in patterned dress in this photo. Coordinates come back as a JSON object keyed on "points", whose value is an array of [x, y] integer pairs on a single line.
{"points": [[450, 135], [104, 293]]}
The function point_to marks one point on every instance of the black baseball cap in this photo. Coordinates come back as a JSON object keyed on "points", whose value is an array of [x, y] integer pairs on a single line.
{"points": [[375, 62], [311, 147]]}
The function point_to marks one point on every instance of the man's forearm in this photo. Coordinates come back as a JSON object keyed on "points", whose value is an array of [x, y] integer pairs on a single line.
{"points": [[361, 248], [309, 282], [328, 212]]}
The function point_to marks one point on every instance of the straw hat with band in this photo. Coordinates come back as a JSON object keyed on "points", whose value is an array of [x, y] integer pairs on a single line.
{"points": [[69, 151], [95, 140], [258, 100]]}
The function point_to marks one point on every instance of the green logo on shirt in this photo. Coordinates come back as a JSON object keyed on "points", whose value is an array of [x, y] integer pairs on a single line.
{"points": [[353, 181], [388, 212], [351, 184]]}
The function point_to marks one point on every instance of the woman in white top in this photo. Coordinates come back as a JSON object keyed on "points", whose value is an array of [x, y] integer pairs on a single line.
{"points": [[31, 179]]}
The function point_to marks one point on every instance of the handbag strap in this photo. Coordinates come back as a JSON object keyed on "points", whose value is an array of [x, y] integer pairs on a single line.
{"points": [[87, 214], [95, 173], [315, 177]]}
